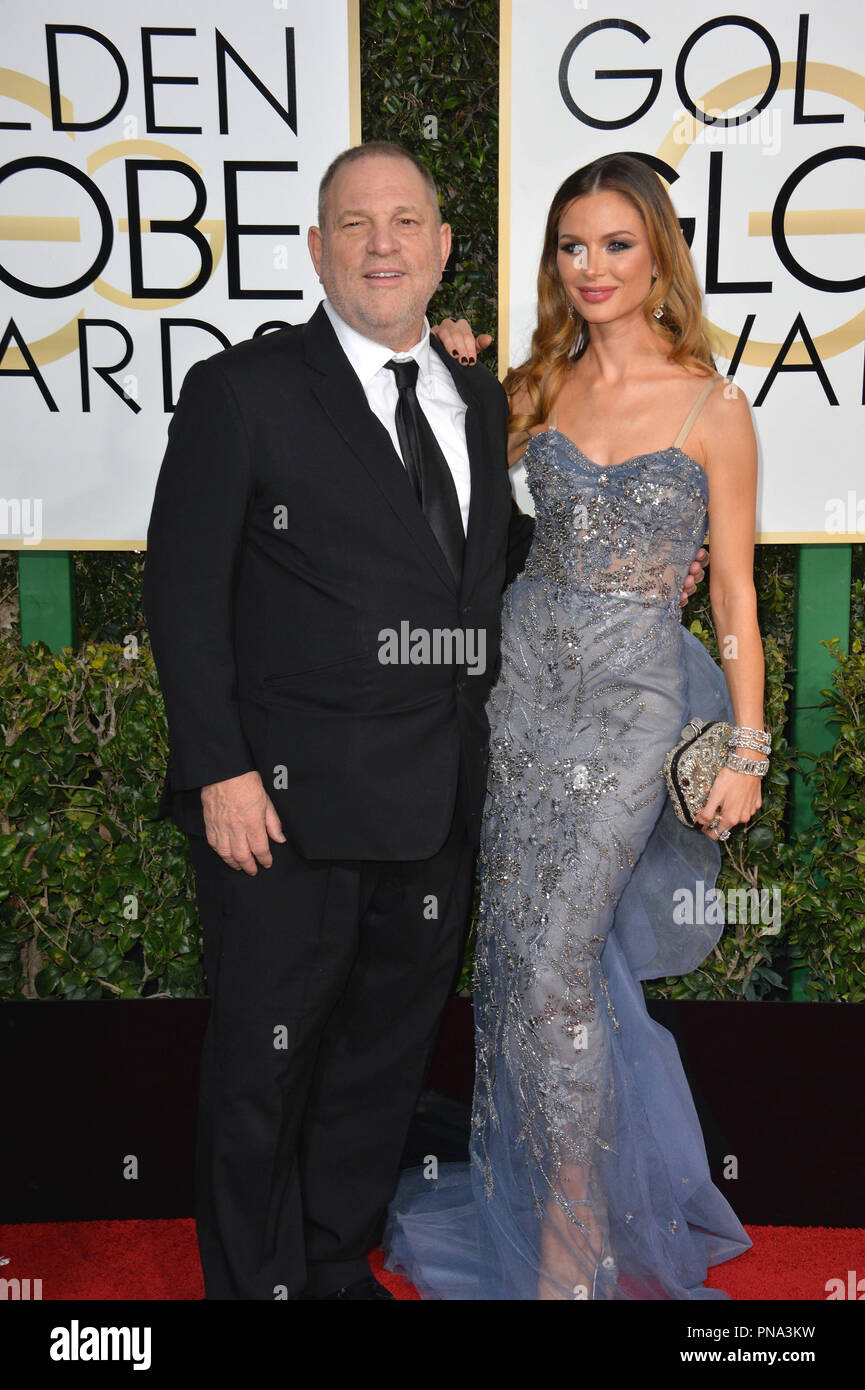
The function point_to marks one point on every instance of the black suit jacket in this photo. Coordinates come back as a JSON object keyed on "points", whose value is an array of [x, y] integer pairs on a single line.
{"points": [[284, 538]]}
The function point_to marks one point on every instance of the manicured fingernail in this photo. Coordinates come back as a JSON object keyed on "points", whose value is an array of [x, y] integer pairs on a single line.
{"points": [[472, 361], [454, 352], [464, 359]]}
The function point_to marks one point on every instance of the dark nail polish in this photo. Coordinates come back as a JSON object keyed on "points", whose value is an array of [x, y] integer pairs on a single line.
{"points": [[464, 359], [472, 361], [454, 352]]}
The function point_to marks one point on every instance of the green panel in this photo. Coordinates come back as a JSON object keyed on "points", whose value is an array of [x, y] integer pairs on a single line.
{"points": [[822, 612], [46, 590]]}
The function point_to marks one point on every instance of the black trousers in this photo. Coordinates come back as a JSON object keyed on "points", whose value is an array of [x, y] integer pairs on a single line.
{"points": [[327, 980]]}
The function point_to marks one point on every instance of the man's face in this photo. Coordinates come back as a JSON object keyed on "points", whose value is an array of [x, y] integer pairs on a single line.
{"points": [[382, 251]]}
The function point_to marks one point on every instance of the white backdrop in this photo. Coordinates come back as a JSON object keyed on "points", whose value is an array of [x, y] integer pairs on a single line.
{"points": [[279, 85], [567, 66]]}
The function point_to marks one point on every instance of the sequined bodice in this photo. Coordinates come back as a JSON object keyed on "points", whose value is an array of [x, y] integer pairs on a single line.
{"points": [[628, 531]]}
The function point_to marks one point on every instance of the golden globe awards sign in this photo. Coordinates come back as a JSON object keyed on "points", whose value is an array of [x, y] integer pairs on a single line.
{"points": [[754, 118], [159, 168]]}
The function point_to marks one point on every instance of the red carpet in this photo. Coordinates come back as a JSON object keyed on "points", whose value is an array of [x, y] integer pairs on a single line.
{"points": [[159, 1260]]}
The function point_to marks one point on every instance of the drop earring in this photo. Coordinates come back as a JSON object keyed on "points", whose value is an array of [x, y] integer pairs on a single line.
{"points": [[658, 311]]}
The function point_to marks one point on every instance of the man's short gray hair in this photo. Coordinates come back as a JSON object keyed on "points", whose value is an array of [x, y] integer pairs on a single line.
{"points": [[372, 147]]}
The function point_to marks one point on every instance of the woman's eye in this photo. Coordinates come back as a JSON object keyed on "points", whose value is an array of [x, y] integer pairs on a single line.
{"points": [[619, 246], [573, 248]]}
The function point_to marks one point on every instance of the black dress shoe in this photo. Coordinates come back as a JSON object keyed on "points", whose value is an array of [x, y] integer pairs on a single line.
{"points": [[368, 1287]]}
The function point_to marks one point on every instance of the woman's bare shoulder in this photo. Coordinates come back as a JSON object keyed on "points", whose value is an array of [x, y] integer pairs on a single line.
{"points": [[728, 431], [727, 404]]}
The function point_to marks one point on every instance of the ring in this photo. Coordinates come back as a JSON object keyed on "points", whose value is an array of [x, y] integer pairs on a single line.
{"points": [[723, 834], [714, 823]]}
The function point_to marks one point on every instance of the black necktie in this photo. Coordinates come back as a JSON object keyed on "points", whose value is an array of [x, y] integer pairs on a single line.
{"points": [[427, 467]]}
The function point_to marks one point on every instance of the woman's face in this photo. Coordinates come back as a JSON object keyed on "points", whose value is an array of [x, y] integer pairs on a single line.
{"points": [[604, 257]]}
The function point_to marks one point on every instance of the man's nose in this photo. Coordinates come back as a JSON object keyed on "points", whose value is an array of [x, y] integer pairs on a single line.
{"points": [[383, 238]]}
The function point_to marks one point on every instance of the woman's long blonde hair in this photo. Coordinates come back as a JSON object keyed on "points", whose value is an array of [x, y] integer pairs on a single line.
{"points": [[562, 334]]}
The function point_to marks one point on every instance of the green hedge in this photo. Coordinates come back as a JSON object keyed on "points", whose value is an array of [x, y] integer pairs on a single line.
{"points": [[819, 872], [96, 898]]}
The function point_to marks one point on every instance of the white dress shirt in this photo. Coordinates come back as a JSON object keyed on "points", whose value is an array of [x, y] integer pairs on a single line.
{"points": [[437, 396]]}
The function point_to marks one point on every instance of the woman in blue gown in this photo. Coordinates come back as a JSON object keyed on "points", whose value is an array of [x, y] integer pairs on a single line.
{"points": [[588, 1175]]}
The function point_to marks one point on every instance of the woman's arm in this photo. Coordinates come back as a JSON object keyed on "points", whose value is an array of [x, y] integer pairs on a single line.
{"points": [[731, 465]]}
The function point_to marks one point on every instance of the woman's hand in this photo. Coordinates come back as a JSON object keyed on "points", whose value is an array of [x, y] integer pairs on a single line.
{"points": [[457, 337], [733, 798], [696, 574]]}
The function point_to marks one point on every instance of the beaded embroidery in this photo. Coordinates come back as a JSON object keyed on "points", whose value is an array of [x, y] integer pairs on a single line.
{"points": [[575, 786]]}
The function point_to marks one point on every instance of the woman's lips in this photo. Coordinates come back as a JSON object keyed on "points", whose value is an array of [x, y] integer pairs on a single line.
{"points": [[597, 296]]}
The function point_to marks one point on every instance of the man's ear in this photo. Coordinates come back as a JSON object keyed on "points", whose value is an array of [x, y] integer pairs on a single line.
{"points": [[314, 243], [445, 242]]}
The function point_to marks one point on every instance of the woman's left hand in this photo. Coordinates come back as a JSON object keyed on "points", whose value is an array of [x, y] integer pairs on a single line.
{"points": [[696, 574], [733, 798]]}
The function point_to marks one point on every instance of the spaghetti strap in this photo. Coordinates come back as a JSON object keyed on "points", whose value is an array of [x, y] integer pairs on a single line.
{"points": [[692, 414]]}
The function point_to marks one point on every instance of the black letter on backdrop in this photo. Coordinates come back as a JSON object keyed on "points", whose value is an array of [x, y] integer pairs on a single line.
{"points": [[151, 79], [779, 212], [779, 365], [774, 76], [84, 326], [184, 226], [234, 229], [653, 73], [799, 116], [12, 335], [51, 32], [165, 327], [60, 291], [288, 112], [713, 239]]}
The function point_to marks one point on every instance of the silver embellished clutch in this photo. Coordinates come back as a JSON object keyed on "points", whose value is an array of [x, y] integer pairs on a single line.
{"points": [[692, 766]]}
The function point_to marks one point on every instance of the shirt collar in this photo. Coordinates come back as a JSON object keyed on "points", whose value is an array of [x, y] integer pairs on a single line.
{"points": [[368, 357]]}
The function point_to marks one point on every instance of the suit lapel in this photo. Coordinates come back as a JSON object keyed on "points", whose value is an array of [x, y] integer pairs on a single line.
{"points": [[480, 464], [343, 399]]}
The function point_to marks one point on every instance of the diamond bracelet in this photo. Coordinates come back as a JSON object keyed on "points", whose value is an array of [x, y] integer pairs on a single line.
{"points": [[743, 737], [743, 742], [756, 767]]}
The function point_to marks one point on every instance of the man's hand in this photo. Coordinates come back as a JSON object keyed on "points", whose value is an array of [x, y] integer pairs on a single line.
{"points": [[238, 818], [696, 575]]}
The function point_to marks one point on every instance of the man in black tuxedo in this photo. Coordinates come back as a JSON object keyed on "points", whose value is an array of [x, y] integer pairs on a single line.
{"points": [[332, 794], [331, 534]]}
